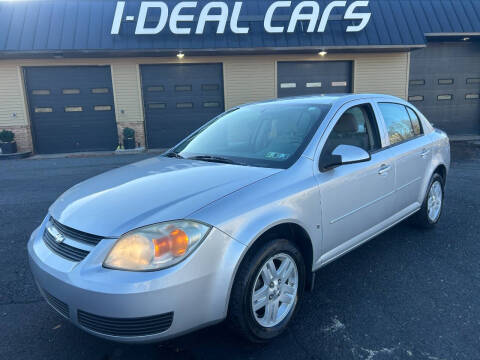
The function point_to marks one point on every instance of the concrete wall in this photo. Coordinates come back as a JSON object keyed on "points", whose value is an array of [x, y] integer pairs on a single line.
{"points": [[246, 79]]}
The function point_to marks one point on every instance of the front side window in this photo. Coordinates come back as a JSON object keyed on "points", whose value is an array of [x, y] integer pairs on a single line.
{"points": [[267, 135], [357, 126], [398, 122]]}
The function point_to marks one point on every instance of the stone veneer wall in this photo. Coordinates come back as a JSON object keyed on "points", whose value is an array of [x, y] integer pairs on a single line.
{"points": [[23, 136], [139, 131]]}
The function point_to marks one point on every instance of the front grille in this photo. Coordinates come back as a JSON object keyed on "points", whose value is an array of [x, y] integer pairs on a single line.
{"points": [[76, 234], [58, 305], [126, 326], [62, 249]]}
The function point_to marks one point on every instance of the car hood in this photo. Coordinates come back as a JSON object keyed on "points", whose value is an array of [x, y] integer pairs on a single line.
{"points": [[154, 190]]}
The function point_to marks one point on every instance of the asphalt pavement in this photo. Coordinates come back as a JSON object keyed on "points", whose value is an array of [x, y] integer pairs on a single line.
{"points": [[407, 294]]}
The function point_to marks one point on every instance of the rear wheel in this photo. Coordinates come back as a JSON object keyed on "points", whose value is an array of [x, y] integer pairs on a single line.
{"points": [[431, 210], [265, 295]]}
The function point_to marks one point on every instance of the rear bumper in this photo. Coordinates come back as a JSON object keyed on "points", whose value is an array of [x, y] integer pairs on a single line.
{"points": [[129, 306]]}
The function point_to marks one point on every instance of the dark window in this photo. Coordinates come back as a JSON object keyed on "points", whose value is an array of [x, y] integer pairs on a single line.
{"points": [[73, 109], [444, 97], [43, 110], [157, 106], [40, 92], [102, 108], [417, 127], [183, 87], [100, 91], [473, 81], [157, 88], [70, 91], [397, 121], [472, 96], [210, 87], [185, 105], [445, 81], [211, 104], [417, 82], [357, 126], [415, 98]]}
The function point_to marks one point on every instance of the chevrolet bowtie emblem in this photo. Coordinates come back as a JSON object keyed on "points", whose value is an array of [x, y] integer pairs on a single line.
{"points": [[57, 236]]}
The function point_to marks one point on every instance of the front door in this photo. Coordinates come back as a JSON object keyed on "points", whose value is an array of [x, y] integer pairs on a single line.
{"points": [[355, 197]]}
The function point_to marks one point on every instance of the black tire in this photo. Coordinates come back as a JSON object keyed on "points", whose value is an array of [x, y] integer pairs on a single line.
{"points": [[241, 318], [421, 218]]}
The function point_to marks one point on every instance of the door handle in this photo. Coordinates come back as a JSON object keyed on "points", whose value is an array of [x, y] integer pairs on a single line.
{"points": [[424, 153], [384, 169]]}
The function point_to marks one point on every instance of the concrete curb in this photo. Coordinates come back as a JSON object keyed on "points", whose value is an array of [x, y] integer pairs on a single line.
{"points": [[18, 155], [97, 154]]}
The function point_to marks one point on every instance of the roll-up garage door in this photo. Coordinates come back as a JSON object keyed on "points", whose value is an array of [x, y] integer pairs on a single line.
{"points": [[314, 77], [71, 108], [178, 99], [445, 85]]}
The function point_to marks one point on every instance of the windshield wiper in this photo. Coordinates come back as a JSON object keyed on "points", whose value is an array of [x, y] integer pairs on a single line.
{"points": [[174, 154], [217, 159]]}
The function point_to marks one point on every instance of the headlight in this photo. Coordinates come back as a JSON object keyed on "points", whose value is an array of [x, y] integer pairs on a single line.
{"points": [[156, 246]]}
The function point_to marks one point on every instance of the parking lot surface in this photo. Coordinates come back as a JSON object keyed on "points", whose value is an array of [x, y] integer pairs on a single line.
{"points": [[407, 294]]}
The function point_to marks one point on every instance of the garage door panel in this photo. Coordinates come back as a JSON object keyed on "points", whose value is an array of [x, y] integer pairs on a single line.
{"points": [[178, 99], [314, 77], [441, 85], [72, 108]]}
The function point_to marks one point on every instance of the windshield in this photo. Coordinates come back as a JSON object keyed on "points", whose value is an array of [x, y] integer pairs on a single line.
{"points": [[267, 135]]}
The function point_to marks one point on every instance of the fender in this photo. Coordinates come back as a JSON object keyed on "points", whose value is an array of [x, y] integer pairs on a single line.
{"points": [[251, 211]]}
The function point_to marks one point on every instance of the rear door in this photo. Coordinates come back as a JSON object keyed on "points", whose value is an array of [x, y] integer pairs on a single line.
{"points": [[411, 151]]}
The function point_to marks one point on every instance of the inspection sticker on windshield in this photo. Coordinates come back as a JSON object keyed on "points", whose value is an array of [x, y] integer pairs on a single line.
{"points": [[276, 156]]}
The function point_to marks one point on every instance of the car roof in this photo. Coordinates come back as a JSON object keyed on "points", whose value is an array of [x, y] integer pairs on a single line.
{"points": [[327, 99]]}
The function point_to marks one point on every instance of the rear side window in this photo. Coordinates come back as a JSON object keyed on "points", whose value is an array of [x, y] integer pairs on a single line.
{"points": [[417, 127], [398, 122]]}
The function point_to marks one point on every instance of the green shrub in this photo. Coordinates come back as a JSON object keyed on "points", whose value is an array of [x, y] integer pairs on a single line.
{"points": [[6, 136], [128, 133]]}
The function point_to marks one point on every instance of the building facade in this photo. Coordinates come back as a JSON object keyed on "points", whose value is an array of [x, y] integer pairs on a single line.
{"points": [[75, 73]]}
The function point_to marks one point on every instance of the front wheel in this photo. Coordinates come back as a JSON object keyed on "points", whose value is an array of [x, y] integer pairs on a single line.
{"points": [[432, 206], [265, 294]]}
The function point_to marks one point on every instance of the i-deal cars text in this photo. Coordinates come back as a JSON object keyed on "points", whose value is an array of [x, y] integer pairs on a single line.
{"points": [[232, 222], [181, 17]]}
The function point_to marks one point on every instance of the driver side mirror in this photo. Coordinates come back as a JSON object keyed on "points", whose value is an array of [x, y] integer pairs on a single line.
{"points": [[343, 155]]}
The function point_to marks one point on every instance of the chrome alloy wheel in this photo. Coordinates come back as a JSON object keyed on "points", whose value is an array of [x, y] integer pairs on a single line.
{"points": [[275, 290], [434, 202]]}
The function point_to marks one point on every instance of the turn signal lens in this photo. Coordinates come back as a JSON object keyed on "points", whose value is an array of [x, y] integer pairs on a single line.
{"points": [[176, 243], [156, 246]]}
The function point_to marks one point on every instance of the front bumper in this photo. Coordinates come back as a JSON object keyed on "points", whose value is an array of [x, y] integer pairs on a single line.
{"points": [[194, 293]]}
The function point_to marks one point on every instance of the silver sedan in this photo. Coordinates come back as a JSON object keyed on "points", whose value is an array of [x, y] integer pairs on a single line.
{"points": [[233, 222]]}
